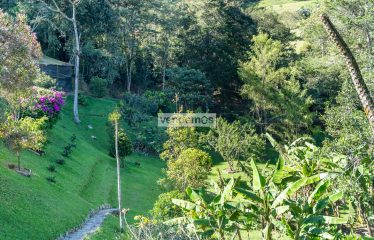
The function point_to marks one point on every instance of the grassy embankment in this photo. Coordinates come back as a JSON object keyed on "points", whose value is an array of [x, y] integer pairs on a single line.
{"points": [[33, 208]]}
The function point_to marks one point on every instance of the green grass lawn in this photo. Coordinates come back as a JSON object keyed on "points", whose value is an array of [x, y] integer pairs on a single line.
{"points": [[282, 6], [33, 208]]}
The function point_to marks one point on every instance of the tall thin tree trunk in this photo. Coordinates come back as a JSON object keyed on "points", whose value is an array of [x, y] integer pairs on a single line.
{"points": [[18, 160], [76, 66], [163, 77], [128, 76], [118, 179], [353, 68]]}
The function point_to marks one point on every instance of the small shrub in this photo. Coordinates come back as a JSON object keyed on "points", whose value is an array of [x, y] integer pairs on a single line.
{"points": [[51, 168], [60, 161], [67, 150], [136, 109], [43, 103], [164, 209], [45, 81], [65, 153], [51, 179], [82, 99], [98, 87], [147, 229], [73, 138], [304, 12], [149, 140], [125, 147], [159, 98], [190, 169]]}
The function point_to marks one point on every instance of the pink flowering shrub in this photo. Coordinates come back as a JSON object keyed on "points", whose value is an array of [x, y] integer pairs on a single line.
{"points": [[44, 103], [50, 105]]}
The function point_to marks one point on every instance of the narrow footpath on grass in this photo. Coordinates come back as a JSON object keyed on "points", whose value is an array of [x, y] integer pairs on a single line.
{"points": [[90, 226]]}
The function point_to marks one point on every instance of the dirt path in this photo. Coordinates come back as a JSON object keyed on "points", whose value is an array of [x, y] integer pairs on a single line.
{"points": [[90, 226]]}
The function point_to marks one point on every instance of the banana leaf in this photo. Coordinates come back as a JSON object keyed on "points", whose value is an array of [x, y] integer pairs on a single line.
{"points": [[258, 179]]}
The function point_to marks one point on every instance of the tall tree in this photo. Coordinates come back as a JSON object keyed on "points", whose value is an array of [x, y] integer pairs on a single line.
{"points": [[191, 86], [57, 9], [163, 34], [18, 50], [114, 118], [214, 37], [280, 105], [132, 21], [353, 68]]}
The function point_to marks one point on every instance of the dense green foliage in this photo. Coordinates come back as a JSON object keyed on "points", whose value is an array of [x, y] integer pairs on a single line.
{"points": [[234, 142], [189, 88], [98, 87], [234, 207], [179, 139], [125, 147], [22, 134], [190, 169], [290, 156], [164, 209], [279, 104]]}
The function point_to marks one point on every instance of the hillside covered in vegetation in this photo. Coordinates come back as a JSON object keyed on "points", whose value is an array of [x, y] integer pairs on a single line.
{"points": [[179, 119]]}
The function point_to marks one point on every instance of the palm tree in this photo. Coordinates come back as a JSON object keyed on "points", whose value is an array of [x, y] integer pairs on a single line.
{"points": [[353, 68], [114, 118]]}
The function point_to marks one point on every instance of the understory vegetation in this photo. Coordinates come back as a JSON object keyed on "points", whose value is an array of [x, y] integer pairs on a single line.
{"points": [[287, 86]]}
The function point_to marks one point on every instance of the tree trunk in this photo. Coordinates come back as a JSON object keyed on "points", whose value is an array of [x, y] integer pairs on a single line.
{"points": [[221, 234], [76, 68], [18, 160], [118, 179], [353, 68], [163, 77], [129, 77], [364, 217]]}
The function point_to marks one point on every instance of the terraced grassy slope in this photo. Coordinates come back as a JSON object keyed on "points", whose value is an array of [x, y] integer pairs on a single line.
{"points": [[33, 208]]}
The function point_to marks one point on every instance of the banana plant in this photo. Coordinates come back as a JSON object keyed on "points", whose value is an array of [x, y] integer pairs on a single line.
{"points": [[306, 217], [265, 200], [211, 214], [302, 159]]}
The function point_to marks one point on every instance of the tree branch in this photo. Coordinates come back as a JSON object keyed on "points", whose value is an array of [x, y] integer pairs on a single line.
{"points": [[56, 9]]}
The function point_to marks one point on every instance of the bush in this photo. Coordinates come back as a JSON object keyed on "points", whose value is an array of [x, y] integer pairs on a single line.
{"points": [[164, 209], [234, 141], [190, 169], [45, 81], [43, 103], [67, 150], [125, 147], [159, 98], [82, 99], [98, 87], [180, 138], [191, 87], [51, 179], [73, 140], [51, 168], [147, 229], [60, 161], [149, 140], [136, 108]]}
